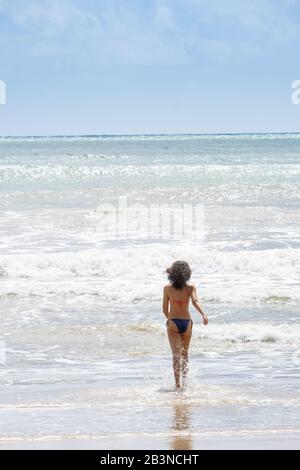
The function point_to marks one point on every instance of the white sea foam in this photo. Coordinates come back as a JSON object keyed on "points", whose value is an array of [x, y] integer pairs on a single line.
{"points": [[123, 273], [150, 395], [211, 171], [85, 344]]}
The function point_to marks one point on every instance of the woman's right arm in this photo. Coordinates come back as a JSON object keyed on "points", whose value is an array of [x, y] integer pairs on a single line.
{"points": [[197, 305]]}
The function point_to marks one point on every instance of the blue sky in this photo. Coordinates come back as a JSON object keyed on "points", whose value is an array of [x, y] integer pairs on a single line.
{"points": [[149, 66]]}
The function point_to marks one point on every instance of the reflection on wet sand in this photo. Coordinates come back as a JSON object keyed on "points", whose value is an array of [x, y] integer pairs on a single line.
{"points": [[180, 425]]}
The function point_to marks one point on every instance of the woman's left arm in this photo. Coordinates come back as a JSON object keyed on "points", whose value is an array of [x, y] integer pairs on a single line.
{"points": [[166, 302]]}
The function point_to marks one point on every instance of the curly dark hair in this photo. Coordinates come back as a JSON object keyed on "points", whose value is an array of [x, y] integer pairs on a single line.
{"points": [[179, 274]]}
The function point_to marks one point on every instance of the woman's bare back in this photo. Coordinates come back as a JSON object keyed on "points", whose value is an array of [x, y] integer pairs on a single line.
{"points": [[179, 302]]}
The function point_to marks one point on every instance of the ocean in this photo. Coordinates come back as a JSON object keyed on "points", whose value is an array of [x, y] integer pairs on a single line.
{"points": [[83, 346]]}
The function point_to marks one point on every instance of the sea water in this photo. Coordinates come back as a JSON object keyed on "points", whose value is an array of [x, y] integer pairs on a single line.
{"points": [[84, 351]]}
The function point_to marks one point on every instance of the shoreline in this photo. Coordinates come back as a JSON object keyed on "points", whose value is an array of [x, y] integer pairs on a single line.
{"points": [[254, 441]]}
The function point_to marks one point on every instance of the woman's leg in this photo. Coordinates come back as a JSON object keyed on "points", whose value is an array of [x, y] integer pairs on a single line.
{"points": [[175, 343], [185, 344]]}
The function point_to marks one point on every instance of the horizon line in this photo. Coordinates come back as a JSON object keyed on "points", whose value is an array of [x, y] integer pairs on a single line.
{"points": [[187, 134]]}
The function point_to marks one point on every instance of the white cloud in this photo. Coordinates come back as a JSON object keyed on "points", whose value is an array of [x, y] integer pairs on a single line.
{"points": [[254, 25], [40, 14], [166, 32], [165, 16], [104, 31]]}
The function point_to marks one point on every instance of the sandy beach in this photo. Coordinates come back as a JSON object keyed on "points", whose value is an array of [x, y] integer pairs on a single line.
{"points": [[199, 442]]}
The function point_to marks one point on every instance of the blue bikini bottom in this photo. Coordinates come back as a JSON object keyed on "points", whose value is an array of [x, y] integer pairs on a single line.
{"points": [[182, 325]]}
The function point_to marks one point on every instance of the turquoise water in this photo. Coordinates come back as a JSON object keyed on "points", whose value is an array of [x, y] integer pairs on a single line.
{"points": [[84, 349]]}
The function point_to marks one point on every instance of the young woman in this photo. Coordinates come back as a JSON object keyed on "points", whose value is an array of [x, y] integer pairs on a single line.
{"points": [[176, 300]]}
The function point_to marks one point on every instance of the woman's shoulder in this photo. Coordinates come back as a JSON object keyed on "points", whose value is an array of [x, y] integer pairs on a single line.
{"points": [[191, 287]]}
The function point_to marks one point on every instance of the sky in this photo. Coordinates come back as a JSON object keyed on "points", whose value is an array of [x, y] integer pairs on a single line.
{"points": [[149, 66]]}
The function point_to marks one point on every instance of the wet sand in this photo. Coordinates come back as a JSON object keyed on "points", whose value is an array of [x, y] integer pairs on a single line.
{"points": [[199, 442]]}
